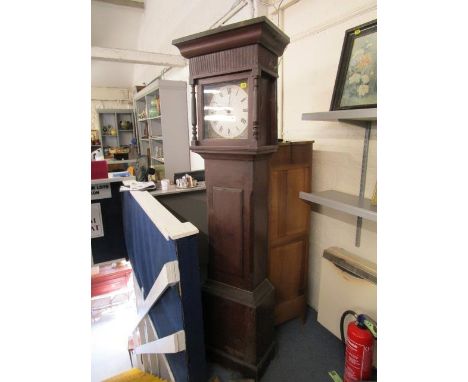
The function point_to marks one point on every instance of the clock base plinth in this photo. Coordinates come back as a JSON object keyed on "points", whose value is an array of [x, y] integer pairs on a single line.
{"points": [[247, 370], [239, 326]]}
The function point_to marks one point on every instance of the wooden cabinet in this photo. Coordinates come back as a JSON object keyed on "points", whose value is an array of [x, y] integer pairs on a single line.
{"points": [[289, 221]]}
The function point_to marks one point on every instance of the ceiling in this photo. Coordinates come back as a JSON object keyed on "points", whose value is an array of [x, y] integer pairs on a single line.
{"points": [[113, 26], [150, 29]]}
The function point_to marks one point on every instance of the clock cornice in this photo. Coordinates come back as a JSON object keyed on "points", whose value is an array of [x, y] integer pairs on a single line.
{"points": [[259, 30]]}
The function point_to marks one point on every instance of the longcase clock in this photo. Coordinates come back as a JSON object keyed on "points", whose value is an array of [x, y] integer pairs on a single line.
{"points": [[233, 73]]}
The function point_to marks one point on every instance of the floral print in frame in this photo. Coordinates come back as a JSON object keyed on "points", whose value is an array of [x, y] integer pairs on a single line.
{"points": [[356, 82]]}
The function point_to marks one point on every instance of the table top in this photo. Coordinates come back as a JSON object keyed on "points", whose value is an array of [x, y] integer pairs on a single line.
{"points": [[112, 180], [176, 190]]}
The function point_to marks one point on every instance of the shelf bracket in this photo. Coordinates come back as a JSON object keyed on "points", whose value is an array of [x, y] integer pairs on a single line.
{"points": [[362, 185]]}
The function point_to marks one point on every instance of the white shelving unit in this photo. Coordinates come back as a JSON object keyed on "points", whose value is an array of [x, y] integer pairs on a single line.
{"points": [[351, 204], [111, 132], [162, 126]]}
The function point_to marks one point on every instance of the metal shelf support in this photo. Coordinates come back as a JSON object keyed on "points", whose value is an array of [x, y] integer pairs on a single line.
{"points": [[362, 185]]}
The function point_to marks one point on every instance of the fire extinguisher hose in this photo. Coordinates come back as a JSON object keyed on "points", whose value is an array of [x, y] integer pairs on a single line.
{"points": [[343, 316]]}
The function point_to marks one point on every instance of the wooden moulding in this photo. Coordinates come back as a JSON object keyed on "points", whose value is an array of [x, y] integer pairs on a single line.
{"points": [[259, 30]]}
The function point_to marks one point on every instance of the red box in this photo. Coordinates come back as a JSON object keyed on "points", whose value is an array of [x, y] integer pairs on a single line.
{"points": [[99, 169], [109, 279]]}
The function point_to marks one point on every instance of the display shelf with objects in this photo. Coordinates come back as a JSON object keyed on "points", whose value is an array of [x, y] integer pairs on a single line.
{"points": [[162, 125], [116, 131], [351, 204]]}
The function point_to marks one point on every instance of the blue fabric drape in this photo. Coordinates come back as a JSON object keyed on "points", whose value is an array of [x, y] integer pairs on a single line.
{"points": [[148, 251]]}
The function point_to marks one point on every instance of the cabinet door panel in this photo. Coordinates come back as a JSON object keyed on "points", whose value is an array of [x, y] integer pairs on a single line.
{"points": [[286, 270], [288, 214], [297, 212]]}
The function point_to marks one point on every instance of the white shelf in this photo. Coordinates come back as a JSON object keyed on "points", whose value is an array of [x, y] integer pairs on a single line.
{"points": [[149, 119], [342, 202], [160, 160], [343, 115], [111, 179], [118, 161], [156, 138]]}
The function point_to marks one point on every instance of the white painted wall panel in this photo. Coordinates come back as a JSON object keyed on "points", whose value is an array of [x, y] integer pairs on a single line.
{"points": [[310, 62]]}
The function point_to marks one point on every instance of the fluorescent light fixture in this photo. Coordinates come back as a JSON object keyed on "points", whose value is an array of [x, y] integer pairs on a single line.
{"points": [[220, 117]]}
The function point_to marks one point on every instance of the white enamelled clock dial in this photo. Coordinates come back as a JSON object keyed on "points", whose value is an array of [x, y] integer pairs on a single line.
{"points": [[225, 110]]}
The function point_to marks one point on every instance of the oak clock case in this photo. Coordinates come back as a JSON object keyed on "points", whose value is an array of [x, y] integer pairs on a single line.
{"points": [[233, 72]]}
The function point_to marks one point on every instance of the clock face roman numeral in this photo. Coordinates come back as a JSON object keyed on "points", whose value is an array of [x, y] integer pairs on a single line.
{"points": [[225, 111]]}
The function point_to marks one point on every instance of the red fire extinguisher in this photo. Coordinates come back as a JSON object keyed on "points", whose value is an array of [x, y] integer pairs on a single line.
{"points": [[359, 347]]}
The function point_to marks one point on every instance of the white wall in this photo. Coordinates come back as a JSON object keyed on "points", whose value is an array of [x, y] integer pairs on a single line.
{"points": [[316, 29]]}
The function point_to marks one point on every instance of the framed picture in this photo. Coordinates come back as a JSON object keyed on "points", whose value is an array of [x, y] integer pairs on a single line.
{"points": [[356, 80]]}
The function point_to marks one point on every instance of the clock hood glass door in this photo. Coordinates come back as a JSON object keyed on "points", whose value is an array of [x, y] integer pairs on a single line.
{"points": [[226, 110]]}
